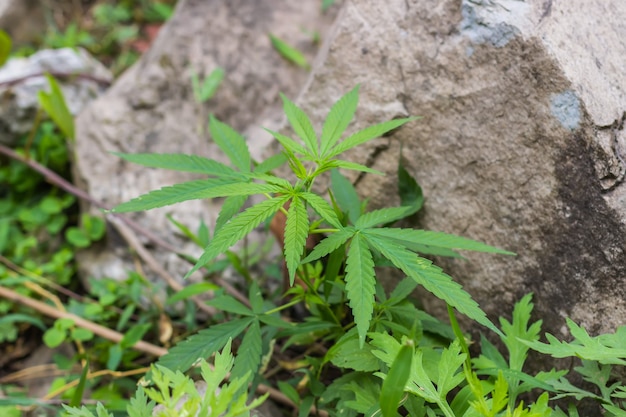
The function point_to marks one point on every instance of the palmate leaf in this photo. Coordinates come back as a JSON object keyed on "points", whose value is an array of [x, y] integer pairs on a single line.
{"points": [[322, 208], [203, 344], [296, 232], [249, 353], [338, 119], [181, 162], [430, 277], [301, 124], [360, 282], [434, 239], [239, 227], [367, 134], [193, 190], [385, 215], [231, 143]]}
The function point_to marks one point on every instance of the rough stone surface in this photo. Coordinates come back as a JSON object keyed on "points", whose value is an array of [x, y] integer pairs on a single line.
{"points": [[521, 144], [81, 78], [22, 19], [151, 108]]}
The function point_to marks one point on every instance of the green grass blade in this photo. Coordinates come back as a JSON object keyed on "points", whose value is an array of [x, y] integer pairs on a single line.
{"points": [[323, 208], [54, 104], [237, 228], [231, 143], [338, 119], [77, 398], [393, 386], [288, 52], [296, 233], [430, 277], [367, 134], [301, 125], [203, 344], [5, 46], [360, 282], [382, 216], [346, 196], [436, 239], [181, 162], [329, 244]]}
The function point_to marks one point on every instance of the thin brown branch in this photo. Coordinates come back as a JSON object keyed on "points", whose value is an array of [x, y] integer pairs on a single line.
{"points": [[97, 329], [57, 74]]}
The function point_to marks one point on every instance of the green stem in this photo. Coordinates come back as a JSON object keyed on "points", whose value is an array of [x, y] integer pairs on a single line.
{"points": [[283, 307], [459, 335]]}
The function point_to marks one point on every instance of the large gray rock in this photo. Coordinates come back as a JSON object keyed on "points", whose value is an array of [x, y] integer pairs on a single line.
{"points": [[521, 145], [151, 108]]}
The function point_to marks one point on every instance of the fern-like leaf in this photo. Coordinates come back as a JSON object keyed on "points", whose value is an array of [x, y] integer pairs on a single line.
{"points": [[190, 190], [237, 228], [203, 344], [180, 162], [338, 119], [435, 239], [322, 208], [360, 282], [231, 143], [430, 277], [330, 244], [301, 124], [382, 216], [296, 232], [367, 134]]}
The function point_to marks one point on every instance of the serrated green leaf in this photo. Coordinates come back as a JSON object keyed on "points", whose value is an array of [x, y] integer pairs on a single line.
{"points": [[360, 282], [519, 330], [434, 239], [288, 52], [249, 354], [203, 344], [289, 144], [393, 386], [367, 134], [382, 216], [296, 233], [430, 277], [139, 405], [239, 227], [584, 347], [351, 355], [329, 244], [194, 190], [231, 206], [181, 162], [448, 368], [346, 196], [231, 143], [231, 305], [322, 208], [353, 166], [338, 119], [301, 125]]}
